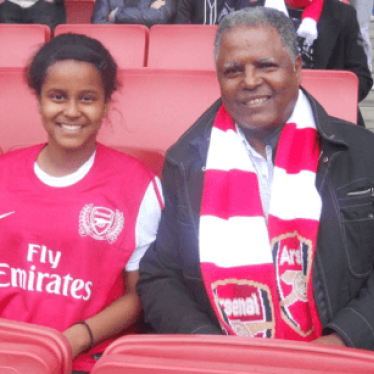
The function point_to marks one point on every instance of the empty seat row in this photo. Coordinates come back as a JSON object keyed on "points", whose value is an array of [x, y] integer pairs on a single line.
{"points": [[149, 112], [132, 46], [198, 354], [32, 349], [154, 107], [27, 348]]}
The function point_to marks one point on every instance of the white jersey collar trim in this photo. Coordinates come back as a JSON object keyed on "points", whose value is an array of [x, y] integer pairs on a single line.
{"points": [[67, 180]]}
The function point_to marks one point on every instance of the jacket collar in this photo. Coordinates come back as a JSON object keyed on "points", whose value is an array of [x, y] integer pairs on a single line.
{"points": [[325, 128]]}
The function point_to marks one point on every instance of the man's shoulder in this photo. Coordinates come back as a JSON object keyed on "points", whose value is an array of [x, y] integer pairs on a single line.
{"points": [[359, 140], [349, 131], [336, 130]]}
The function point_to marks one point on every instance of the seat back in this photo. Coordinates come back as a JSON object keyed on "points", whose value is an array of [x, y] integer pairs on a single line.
{"points": [[18, 43], [153, 159], [147, 115], [126, 43], [336, 91], [154, 108], [20, 121], [181, 47], [79, 11], [198, 354], [32, 349]]}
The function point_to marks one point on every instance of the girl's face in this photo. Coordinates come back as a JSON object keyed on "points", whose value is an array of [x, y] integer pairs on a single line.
{"points": [[72, 105]]}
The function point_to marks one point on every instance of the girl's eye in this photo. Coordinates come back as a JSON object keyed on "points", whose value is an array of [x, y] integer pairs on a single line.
{"points": [[58, 97], [87, 98]]}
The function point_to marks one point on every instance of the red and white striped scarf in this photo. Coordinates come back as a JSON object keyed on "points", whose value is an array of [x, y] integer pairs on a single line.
{"points": [[257, 274]]}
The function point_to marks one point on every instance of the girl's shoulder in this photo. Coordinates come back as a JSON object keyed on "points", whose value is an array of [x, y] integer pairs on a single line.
{"points": [[20, 155]]}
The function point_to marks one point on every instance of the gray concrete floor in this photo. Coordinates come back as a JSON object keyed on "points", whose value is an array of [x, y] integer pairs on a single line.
{"points": [[367, 105]]}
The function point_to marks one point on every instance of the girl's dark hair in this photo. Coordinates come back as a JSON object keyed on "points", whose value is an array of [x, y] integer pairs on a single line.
{"points": [[73, 47]]}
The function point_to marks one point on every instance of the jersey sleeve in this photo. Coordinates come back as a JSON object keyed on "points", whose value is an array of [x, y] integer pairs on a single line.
{"points": [[147, 222]]}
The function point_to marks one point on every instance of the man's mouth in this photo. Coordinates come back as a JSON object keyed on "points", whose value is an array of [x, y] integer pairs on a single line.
{"points": [[256, 101]]}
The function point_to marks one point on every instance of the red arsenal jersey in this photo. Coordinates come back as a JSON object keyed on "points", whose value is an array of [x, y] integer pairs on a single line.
{"points": [[64, 250]]}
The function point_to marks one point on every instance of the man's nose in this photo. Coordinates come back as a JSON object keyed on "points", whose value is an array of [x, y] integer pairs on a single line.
{"points": [[251, 77]]}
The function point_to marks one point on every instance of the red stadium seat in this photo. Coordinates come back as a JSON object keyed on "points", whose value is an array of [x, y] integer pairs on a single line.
{"points": [[18, 43], [154, 107], [153, 159], [181, 47], [198, 354], [147, 115], [32, 349], [79, 11], [337, 91], [127, 43], [20, 121]]}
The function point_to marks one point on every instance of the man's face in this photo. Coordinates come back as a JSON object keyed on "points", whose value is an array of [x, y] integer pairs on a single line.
{"points": [[258, 78]]}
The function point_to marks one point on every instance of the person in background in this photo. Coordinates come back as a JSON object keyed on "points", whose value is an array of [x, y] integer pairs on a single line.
{"points": [[46, 12], [364, 10], [205, 12], [268, 226], [145, 12], [76, 216]]}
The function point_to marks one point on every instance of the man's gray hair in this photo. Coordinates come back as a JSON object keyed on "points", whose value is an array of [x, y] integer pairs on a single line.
{"points": [[260, 16]]}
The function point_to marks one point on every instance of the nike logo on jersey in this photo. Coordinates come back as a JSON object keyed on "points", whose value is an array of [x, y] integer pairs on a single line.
{"points": [[6, 215]]}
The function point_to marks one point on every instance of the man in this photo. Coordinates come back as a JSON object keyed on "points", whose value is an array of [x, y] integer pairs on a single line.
{"points": [[339, 44], [47, 12], [268, 224]]}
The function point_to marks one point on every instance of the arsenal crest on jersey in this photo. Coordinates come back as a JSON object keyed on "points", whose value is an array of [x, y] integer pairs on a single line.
{"points": [[292, 260], [245, 306], [100, 223]]}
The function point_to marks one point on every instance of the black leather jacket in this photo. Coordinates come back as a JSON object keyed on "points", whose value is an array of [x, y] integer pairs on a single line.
{"points": [[170, 285], [134, 12]]}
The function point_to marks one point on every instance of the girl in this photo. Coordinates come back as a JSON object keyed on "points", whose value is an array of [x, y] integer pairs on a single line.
{"points": [[75, 216]]}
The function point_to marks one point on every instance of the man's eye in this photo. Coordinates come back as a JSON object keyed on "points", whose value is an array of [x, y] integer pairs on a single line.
{"points": [[232, 70], [268, 65]]}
